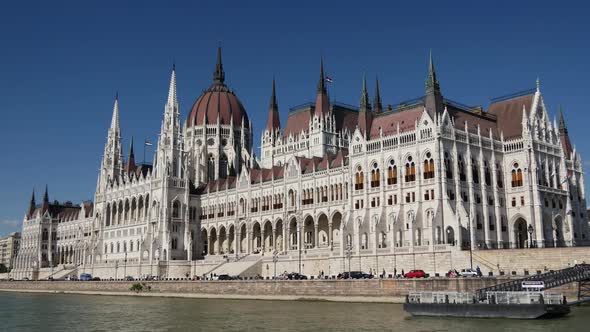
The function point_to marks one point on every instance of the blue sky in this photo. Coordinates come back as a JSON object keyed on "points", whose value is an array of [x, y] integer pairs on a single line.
{"points": [[62, 62]]}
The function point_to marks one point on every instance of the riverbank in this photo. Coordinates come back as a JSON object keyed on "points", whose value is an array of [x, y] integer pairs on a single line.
{"points": [[366, 291]]}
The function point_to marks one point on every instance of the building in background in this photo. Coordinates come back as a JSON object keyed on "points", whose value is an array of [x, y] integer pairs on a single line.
{"points": [[396, 185], [9, 246]]}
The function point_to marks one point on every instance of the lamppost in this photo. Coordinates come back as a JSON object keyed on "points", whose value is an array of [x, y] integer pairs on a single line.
{"points": [[116, 268], [349, 256], [470, 242], [125, 266], [275, 258], [530, 230]]}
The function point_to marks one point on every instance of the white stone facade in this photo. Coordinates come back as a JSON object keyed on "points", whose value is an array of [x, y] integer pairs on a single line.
{"points": [[426, 176]]}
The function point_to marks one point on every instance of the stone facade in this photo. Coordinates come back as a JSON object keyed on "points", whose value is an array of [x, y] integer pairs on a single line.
{"points": [[374, 187]]}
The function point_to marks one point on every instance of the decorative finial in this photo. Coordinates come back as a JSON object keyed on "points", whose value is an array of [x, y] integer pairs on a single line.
{"points": [[538, 84]]}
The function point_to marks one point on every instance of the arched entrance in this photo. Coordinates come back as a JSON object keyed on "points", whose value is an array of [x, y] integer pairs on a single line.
{"points": [[279, 235], [336, 225], [268, 236], [293, 234], [256, 238], [243, 239], [308, 233], [520, 233], [213, 248], [222, 241], [450, 236], [230, 240], [323, 238]]}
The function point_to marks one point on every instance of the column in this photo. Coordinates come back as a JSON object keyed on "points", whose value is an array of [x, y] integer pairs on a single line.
{"points": [[315, 234], [330, 244]]}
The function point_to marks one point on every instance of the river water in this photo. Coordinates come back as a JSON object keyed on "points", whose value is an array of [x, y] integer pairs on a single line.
{"points": [[51, 312]]}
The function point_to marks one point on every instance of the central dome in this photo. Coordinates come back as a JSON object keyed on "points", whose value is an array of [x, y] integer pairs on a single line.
{"points": [[218, 101]]}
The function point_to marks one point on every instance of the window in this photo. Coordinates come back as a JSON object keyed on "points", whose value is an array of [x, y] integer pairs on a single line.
{"points": [[513, 201], [448, 166], [516, 176], [359, 179], [461, 166], [499, 178], [487, 174], [428, 167], [474, 171], [522, 200], [410, 170], [211, 167], [392, 173], [176, 209], [375, 176], [223, 168]]}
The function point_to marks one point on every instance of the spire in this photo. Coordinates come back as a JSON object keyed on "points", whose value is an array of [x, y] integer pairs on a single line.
{"points": [[273, 123], [219, 74], [562, 126], [365, 118], [45, 200], [431, 81], [130, 167], [377, 106], [115, 119], [365, 105], [538, 82], [433, 101], [322, 102], [172, 99], [32, 204]]}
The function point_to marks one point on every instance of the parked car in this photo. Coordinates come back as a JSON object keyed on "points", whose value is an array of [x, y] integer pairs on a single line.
{"points": [[129, 278], [355, 275], [26, 279], [225, 277], [296, 276], [85, 277], [415, 274], [468, 273], [96, 279]]}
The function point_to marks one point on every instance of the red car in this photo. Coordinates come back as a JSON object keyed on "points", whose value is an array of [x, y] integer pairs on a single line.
{"points": [[415, 274]]}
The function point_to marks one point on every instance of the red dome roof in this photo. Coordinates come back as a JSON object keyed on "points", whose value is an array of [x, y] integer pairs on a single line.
{"points": [[217, 101]]}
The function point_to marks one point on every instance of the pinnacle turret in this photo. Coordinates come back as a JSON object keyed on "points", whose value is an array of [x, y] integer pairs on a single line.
{"points": [[433, 100], [431, 80], [32, 204], [365, 118], [130, 167], [365, 105]]}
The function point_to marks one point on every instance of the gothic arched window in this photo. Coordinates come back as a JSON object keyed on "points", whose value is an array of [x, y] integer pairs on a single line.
{"points": [[375, 176], [392, 173], [211, 168]]}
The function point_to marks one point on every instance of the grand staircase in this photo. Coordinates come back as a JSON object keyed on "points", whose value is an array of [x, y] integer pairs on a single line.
{"points": [[551, 279], [246, 266]]}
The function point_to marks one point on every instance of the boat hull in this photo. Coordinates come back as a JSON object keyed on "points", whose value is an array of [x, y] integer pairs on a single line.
{"points": [[482, 310]]}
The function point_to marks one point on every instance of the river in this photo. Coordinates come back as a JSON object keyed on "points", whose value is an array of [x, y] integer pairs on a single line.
{"points": [[57, 312]]}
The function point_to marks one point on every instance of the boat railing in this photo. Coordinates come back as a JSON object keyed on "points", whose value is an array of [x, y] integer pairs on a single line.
{"points": [[440, 297], [523, 298]]}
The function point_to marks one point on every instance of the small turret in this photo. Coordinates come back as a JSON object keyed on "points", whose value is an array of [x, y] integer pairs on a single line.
{"points": [[219, 74], [130, 166], [365, 114], [46, 199]]}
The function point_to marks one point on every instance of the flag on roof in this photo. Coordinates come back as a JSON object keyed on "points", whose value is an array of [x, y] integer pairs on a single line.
{"points": [[329, 79], [148, 143]]}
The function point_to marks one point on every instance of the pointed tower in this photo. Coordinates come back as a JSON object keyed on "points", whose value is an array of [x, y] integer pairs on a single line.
{"points": [[112, 158], [168, 151], [377, 106], [272, 130], [46, 199], [433, 100], [564, 136], [322, 101], [273, 123], [32, 205], [365, 114], [130, 166]]}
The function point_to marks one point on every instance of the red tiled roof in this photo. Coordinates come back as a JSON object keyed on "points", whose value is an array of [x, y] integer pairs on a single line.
{"points": [[297, 121], [509, 114], [388, 121]]}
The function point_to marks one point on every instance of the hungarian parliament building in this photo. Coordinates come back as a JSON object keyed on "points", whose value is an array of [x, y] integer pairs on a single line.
{"points": [[382, 185]]}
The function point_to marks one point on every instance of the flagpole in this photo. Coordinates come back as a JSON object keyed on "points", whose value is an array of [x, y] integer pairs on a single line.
{"points": [[145, 140]]}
